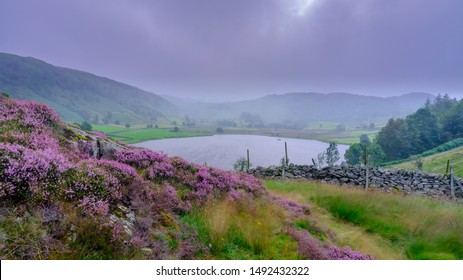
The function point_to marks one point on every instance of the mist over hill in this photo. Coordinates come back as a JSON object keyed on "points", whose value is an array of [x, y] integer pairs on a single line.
{"points": [[293, 108], [78, 95]]}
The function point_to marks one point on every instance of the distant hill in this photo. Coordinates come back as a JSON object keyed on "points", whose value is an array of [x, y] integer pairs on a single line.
{"points": [[78, 95], [291, 108]]}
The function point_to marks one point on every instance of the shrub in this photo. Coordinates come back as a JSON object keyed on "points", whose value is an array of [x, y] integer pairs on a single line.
{"points": [[157, 164], [308, 247], [26, 173], [94, 187], [346, 253]]}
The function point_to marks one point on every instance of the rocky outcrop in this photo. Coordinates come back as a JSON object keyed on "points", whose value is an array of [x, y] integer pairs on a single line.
{"points": [[389, 180], [96, 146]]}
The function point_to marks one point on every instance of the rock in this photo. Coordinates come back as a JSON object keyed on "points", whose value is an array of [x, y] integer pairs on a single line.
{"points": [[413, 182], [125, 217], [146, 250]]}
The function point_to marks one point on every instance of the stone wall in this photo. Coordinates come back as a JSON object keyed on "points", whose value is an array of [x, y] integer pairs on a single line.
{"points": [[389, 180]]}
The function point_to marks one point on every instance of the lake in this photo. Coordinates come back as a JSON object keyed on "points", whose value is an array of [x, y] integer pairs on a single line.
{"points": [[222, 151]]}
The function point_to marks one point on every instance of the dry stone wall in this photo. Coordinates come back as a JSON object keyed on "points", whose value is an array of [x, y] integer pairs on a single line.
{"points": [[389, 180]]}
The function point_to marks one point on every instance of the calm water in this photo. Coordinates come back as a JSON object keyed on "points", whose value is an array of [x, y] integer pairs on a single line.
{"points": [[222, 151]]}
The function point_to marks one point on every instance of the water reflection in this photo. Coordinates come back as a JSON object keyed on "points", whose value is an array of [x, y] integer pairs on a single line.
{"points": [[222, 151]]}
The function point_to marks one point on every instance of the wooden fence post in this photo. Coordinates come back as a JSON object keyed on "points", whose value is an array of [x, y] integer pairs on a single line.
{"points": [[247, 151], [365, 159], [452, 187], [286, 154]]}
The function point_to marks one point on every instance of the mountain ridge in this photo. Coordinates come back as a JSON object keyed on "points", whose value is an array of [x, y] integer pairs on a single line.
{"points": [[78, 95], [309, 107]]}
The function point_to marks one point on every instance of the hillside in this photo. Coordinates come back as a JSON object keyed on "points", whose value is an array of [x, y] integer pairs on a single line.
{"points": [[292, 109], [78, 95], [437, 163], [68, 194]]}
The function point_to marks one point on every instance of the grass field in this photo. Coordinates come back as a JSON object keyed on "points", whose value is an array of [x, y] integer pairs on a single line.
{"points": [[438, 163], [140, 133], [239, 231], [386, 226]]}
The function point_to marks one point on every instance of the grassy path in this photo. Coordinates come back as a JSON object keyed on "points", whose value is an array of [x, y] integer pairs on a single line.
{"points": [[344, 233], [386, 226]]}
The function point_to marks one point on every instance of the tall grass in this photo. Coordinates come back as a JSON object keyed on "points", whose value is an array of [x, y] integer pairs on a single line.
{"points": [[237, 230], [423, 228]]}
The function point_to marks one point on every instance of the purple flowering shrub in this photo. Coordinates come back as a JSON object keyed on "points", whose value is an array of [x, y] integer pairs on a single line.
{"points": [[346, 253], [100, 134], [202, 182], [94, 187], [208, 182], [28, 123], [307, 246], [156, 165], [313, 249], [27, 115], [72, 199], [293, 207], [26, 173]]}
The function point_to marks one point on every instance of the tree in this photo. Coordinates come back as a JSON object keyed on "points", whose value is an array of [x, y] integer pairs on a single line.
{"points": [[442, 104], [241, 164], [364, 140], [354, 154], [332, 154], [423, 130], [175, 129], [127, 125], [453, 122], [394, 140], [118, 122], [95, 119], [107, 117], [320, 160], [418, 162], [86, 126], [219, 130], [252, 121], [371, 126], [284, 161]]}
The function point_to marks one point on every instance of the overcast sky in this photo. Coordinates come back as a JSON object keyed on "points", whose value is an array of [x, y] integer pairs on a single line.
{"points": [[240, 49]]}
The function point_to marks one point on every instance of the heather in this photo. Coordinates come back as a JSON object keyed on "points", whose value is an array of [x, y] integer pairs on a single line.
{"points": [[381, 224], [69, 194]]}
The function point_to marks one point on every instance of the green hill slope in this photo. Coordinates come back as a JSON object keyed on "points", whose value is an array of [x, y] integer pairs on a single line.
{"points": [[438, 163], [77, 95]]}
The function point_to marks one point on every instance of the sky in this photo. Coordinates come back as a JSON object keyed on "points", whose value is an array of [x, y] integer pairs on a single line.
{"points": [[220, 50]]}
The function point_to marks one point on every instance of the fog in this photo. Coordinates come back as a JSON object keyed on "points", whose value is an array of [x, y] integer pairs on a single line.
{"points": [[232, 50]]}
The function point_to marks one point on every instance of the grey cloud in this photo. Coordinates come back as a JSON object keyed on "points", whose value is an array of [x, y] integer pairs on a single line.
{"points": [[242, 48]]}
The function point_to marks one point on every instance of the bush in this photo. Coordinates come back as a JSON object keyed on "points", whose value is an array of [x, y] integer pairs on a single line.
{"points": [[27, 173]]}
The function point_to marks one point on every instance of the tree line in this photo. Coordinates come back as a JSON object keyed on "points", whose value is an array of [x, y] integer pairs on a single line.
{"points": [[437, 122]]}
